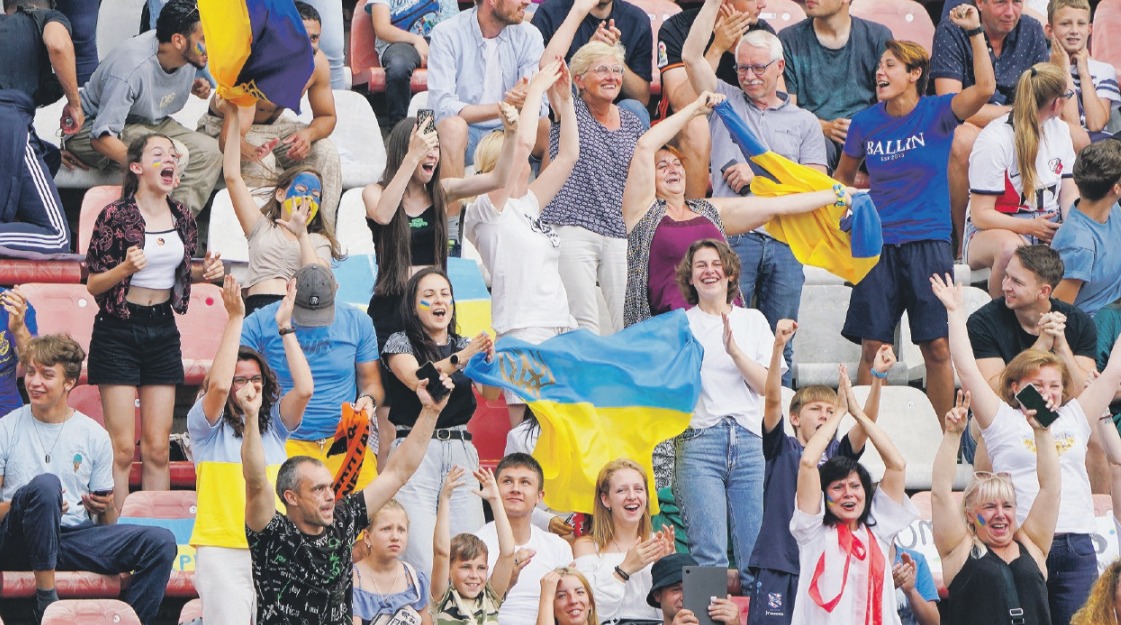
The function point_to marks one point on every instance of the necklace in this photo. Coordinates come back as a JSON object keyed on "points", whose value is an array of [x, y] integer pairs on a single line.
{"points": [[396, 576], [47, 455]]}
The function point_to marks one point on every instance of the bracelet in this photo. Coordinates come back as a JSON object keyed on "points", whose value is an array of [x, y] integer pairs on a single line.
{"points": [[621, 573], [288, 330], [839, 191], [877, 374], [974, 31]]}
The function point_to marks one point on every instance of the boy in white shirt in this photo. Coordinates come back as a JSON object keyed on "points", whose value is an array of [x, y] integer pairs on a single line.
{"points": [[1069, 27]]}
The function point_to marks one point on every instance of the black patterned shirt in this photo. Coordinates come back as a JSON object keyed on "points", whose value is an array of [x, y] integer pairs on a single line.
{"points": [[306, 580]]}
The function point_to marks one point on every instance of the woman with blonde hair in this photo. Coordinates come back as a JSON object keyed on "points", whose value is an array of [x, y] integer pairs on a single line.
{"points": [[1102, 608], [586, 211], [617, 555], [566, 599], [1007, 429], [1020, 174]]}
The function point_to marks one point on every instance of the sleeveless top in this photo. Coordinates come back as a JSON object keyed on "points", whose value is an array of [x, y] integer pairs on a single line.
{"points": [[369, 605], [977, 593]]}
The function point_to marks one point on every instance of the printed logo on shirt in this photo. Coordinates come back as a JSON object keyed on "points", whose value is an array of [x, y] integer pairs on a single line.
{"points": [[1064, 442], [167, 100], [1055, 165], [894, 149], [663, 58], [418, 222], [774, 601]]}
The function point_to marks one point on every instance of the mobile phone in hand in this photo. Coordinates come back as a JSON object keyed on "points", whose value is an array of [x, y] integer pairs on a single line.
{"points": [[745, 189], [102, 493], [435, 387], [1030, 399], [426, 120]]}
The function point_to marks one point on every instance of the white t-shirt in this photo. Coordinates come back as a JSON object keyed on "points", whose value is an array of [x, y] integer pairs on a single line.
{"points": [[523, 257], [815, 538], [994, 170], [523, 599], [616, 599], [1011, 444], [492, 82], [724, 393], [80, 452]]}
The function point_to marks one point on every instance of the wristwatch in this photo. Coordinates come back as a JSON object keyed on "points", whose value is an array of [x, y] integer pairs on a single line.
{"points": [[974, 31], [288, 330], [454, 359]]}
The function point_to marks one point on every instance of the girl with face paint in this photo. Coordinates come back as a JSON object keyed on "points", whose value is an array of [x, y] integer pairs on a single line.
{"points": [[287, 232]]}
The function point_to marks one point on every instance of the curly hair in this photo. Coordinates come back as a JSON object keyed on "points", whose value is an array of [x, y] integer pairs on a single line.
{"points": [[1099, 607]]}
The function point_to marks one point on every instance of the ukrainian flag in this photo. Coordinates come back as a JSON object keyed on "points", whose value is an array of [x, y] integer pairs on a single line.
{"points": [[600, 398], [817, 238], [257, 50]]}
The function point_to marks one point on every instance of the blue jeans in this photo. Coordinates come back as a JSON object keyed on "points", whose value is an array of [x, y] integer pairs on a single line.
{"points": [[331, 38], [772, 278], [639, 109], [1072, 566], [718, 485], [400, 60]]}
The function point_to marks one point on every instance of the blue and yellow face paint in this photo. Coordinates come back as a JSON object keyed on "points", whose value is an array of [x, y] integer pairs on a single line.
{"points": [[981, 520], [306, 186], [424, 304]]}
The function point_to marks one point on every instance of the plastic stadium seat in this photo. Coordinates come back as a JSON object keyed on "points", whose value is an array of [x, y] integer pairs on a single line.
{"points": [[489, 427], [910, 354], [63, 308], [744, 604], [86, 399], [1107, 26], [173, 510], [201, 330], [90, 612], [93, 202], [418, 101], [117, 21], [782, 13], [192, 611], [357, 137], [364, 64], [353, 234], [69, 584], [658, 11], [906, 19], [19, 271], [225, 235]]}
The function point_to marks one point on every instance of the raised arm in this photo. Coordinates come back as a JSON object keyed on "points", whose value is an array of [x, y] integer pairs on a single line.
{"points": [[233, 119], [638, 195], [985, 401], [744, 214], [701, 75], [885, 359], [225, 359], [548, 596], [1039, 526], [15, 304], [772, 394], [293, 403], [969, 101], [894, 481], [260, 501], [477, 184], [549, 182], [442, 534], [562, 37], [502, 572], [808, 498], [950, 534], [382, 203]]}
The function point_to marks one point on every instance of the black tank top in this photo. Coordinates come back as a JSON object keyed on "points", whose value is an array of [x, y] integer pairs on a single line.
{"points": [[422, 238], [977, 593]]}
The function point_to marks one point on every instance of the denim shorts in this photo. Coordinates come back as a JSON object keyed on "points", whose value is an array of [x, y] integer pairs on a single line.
{"points": [[143, 350]]}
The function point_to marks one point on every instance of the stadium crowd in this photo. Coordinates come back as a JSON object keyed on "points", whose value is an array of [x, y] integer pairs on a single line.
{"points": [[537, 148]]}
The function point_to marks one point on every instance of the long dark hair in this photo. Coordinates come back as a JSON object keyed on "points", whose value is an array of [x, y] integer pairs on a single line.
{"points": [[135, 153], [838, 468], [424, 348], [272, 209], [392, 240], [270, 394]]}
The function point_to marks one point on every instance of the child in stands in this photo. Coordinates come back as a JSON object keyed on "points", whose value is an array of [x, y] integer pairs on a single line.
{"points": [[384, 585]]}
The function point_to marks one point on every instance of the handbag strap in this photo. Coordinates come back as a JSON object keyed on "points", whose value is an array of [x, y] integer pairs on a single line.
{"points": [[1015, 612]]}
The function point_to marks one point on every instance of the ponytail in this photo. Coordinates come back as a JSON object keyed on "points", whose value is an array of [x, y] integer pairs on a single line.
{"points": [[1036, 89]]}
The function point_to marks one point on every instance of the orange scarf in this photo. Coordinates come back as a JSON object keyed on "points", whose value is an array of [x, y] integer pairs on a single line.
{"points": [[853, 547], [351, 437]]}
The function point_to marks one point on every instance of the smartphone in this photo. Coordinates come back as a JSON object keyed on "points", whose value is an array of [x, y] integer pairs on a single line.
{"points": [[102, 493], [745, 189], [1030, 398], [701, 584], [426, 120], [435, 387]]}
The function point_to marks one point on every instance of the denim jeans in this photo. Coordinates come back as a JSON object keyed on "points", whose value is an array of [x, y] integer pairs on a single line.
{"points": [[772, 278], [400, 60], [421, 493], [718, 485], [1072, 566], [638, 108]]}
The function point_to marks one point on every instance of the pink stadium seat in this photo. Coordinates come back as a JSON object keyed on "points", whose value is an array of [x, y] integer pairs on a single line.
{"points": [[200, 330], [782, 13], [1107, 26], [90, 612], [658, 11], [191, 611], [63, 308], [94, 200], [70, 585], [744, 603], [174, 506], [364, 63], [906, 19]]}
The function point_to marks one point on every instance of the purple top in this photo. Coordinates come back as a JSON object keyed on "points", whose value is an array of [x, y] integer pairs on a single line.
{"points": [[672, 239]]}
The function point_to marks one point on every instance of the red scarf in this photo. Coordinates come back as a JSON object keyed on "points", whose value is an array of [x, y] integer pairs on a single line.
{"points": [[853, 547]]}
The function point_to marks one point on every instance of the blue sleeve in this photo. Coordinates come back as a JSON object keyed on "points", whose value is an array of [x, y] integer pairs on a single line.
{"points": [[367, 348], [924, 580], [854, 142], [641, 50], [947, 120], [199, 427], [30, 321], [424, 586], [251, 332], [1078, 258]]}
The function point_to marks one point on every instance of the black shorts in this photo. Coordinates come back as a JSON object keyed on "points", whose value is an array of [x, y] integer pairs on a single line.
{"points": [[900, 281], [143, 350]]}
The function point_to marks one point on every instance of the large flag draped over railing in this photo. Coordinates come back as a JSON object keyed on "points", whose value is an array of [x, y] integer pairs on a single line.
{"points": [[816, 238], [258, 50], [600, 398]]}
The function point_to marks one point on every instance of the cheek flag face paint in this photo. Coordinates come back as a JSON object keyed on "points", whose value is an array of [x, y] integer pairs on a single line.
{"points": [[424, 304], [200, 47], [305, 186], [981, 520]]}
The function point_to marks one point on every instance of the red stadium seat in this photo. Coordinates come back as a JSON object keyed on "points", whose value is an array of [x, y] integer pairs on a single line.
{"points": [[364, 63], [200, 330], [906, 19], [744, 603], [782, 13], [658, 11], [63, 308], [1106, 44], [93, 202], [18, 271], [176, 507], [191, 611], [90, 612], [69, 584]]}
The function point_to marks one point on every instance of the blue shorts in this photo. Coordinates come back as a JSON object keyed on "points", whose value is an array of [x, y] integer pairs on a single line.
{"points": [[772, 597], [900, 281]]}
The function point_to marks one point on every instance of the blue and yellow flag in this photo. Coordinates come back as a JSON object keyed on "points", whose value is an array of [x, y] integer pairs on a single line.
{"points": [[257, 50], [600, 398], [816, 238]]}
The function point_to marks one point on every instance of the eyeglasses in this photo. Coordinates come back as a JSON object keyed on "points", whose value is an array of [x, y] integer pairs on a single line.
{"points": [[985, 475], [758, 69], [603, 70], [242, 381]]}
